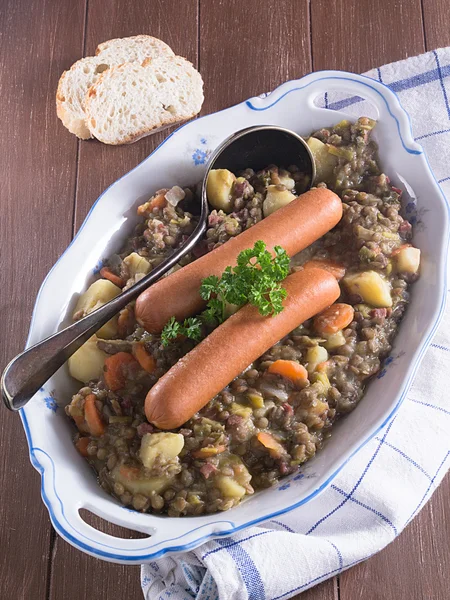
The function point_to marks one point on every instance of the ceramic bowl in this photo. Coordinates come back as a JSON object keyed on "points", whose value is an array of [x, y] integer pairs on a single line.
{"points": [[68, 483]]}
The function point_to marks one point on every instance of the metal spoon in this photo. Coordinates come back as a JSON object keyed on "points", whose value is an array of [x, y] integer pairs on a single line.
{"points": [[254, 147]]}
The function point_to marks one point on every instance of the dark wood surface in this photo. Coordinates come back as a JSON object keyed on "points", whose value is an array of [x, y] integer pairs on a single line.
{"points": [[48, 181]]}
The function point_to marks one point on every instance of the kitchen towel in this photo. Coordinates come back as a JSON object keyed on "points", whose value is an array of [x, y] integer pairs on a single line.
{"points": [[390, 479]]}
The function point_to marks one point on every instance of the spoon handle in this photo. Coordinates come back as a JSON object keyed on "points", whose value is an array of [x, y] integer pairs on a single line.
{"points": [[28, 371]]}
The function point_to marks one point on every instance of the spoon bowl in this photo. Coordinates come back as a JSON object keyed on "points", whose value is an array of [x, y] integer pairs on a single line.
{"points": [[262, 145]]}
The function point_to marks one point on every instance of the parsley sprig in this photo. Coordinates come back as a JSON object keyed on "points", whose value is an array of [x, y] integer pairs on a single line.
{"points": [[254, 280], [191, 328]]}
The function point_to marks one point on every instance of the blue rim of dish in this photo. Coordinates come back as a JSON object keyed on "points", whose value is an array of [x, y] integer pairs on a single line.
{"points": [[412, 369], [409, 150]]}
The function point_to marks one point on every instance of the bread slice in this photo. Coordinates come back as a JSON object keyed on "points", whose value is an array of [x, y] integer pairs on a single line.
{"points": [[74, 83], [131, 101], [72, 88]]}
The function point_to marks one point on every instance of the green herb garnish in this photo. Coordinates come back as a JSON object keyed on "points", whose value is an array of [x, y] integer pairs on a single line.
{"points": [[254, 280], [191, 328]]}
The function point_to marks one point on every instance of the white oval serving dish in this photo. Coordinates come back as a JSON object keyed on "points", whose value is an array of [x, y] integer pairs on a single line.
{"points": [[68, 484]]}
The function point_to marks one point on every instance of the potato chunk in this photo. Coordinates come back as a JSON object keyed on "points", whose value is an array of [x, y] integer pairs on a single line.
{"points": [[98, 294], [229, 487], [408, 260], [372, 288], [314, 356], [237, 484], [277, 196], [322, 378], [334, 340], [87, 362], [109, 329], [136, 264], [163, 446], [324, 160], [218, 189], [287, 181], [133, 481]]}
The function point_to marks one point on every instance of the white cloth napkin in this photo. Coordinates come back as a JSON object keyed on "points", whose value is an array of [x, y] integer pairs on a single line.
{"points": [[389, 480]]}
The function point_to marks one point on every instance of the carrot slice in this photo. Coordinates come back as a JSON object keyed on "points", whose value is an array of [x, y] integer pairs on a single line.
{"points": [[115, 279], [323, 366], [208, 451], [80, 423], [268, 441], [399, 249], [81, 445], [114, 371], [158, 201], [92, 416], [334, 268], [334, 318], [146, 360], [129, 473], [289, 369]]}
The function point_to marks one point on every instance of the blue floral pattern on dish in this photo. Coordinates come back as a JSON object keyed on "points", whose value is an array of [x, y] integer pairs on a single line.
{"points": [[200, 148], [414, 214], [200, 156], [287, 484], [411, 210], [98, 266], [390, 360], [50, 403], [417, 219]]}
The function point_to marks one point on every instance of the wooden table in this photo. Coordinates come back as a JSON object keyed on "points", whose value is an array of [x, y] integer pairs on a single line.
{"points": [[49, 179]]}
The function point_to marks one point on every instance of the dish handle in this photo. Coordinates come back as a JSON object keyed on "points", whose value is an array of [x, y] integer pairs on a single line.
{"points": [[161, 534], [390, 111]]}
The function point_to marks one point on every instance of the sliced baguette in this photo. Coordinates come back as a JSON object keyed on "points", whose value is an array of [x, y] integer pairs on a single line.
{"points": [[131, 101], [74, 83], [72, 88]]}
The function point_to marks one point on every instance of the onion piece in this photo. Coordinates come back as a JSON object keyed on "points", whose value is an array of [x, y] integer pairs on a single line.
{"points": [[270, 388], [175, 195]]}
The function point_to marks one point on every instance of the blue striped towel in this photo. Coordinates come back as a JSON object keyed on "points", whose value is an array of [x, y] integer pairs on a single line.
{"points": [[389, 480]]}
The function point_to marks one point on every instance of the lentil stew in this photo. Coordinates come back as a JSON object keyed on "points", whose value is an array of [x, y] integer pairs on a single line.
{"points": [[279, 412]]}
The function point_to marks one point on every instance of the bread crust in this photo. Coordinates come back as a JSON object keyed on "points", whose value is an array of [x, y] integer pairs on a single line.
{"points": [[134, 38], [70, 122]]}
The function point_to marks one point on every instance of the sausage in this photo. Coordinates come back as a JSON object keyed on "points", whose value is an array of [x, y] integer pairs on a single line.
{"points": [[232, 347], [293, 227]]}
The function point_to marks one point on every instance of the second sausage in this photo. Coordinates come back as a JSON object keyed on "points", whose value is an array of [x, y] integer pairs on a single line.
{"points": [[202, 373]]}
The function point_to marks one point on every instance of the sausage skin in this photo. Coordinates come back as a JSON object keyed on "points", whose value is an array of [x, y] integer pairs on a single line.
{"points": [[293, 227], [232, 347]]}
